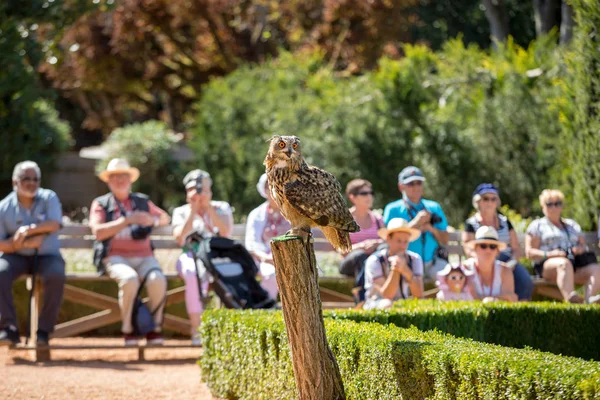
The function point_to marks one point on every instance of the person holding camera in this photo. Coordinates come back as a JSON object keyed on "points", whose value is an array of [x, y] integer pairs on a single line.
{"points": [[486, 200], [425, 215], [207, 216], [30, 218], [559, 252], [122, 222]]}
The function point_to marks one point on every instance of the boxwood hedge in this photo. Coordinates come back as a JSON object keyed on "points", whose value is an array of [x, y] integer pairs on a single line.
{"points": [[246, 356], [559, 328]]}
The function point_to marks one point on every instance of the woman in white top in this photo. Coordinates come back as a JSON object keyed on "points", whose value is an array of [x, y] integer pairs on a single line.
{"points": [[491, 280], [204, 215], [553, 243], [264, 223]]}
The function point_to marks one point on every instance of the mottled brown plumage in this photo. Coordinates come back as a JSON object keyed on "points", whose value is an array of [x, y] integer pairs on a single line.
{"points": [[306, 195]]}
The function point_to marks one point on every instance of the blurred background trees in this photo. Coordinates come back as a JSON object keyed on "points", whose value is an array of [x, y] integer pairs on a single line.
{"points": [[469, 90]]}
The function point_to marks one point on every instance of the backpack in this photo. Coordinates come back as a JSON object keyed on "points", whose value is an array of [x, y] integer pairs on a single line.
{"points": [[140, 202]]}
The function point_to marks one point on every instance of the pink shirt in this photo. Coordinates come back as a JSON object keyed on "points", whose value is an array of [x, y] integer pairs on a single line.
{"points": [[122, 244], [370, 232]]}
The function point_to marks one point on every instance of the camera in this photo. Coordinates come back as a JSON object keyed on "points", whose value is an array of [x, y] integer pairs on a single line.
{"points": [[435, 219], [140, 232]]}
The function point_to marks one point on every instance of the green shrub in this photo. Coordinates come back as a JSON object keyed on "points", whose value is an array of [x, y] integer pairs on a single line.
{"points": [[246, 356], [554, 327]]}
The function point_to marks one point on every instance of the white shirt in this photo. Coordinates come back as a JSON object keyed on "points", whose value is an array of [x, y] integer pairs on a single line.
{"points": [[374, 270], [202, 224]]}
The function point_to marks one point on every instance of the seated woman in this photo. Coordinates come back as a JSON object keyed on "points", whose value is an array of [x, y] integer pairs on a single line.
{"points": [[204, 215], [491, 280], [264, 223], [559, 251], [454, 282], [365, 242], [394, 272], [486, 201]]}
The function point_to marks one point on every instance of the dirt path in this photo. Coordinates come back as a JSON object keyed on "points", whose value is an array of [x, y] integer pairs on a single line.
{"points": [[102, 374]]}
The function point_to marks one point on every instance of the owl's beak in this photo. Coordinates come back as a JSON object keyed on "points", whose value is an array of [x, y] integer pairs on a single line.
{"points": [[289, 152]]}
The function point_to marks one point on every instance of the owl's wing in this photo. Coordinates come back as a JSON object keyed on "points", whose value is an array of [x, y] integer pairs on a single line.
{"points": [[316, 194]]}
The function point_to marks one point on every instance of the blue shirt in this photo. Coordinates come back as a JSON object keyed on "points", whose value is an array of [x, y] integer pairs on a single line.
{"points": [[46, 207], [398, 209]]}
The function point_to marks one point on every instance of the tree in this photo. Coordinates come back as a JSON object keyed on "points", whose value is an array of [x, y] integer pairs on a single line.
{"points": [[497, 16]]}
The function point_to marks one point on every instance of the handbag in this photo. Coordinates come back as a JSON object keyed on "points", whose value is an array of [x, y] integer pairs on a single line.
{"points": [[580, 260], [142, 318]]}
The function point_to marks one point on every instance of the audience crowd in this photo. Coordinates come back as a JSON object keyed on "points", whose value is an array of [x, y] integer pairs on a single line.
{"points": [[393, 256]]}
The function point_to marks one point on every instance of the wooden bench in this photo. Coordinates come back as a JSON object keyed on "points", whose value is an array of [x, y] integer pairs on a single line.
{"points": [[80, 237]]}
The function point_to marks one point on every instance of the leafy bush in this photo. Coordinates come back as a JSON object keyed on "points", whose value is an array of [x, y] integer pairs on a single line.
{"points": [[246, 356], [554, 327], [149, 146]]}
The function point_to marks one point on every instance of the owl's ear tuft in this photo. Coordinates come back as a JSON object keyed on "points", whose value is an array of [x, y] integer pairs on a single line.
{"points": [[273, 138]]}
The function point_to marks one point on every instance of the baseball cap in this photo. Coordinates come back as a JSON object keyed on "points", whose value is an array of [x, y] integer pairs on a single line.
{"points": [[410, 174]]}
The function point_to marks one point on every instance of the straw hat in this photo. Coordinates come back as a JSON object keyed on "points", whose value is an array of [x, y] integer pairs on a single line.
{"points": [[399, 225], [487, 234], [261, 185], [119, 166]]}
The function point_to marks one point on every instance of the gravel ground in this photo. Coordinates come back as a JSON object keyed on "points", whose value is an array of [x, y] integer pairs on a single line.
{"points": [[102, 374]]}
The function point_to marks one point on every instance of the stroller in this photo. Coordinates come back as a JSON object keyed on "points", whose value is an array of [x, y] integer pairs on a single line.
{"points": [[230, 269]]}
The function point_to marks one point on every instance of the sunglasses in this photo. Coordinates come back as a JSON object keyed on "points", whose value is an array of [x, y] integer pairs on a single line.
{"points": [[366, 193], [484, 246], [415, 183], [489, 198], [29, 179], [554, 204], [456, 277]]}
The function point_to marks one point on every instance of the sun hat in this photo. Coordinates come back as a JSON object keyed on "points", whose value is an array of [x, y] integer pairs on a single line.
{"points": [[454, 267], [410, 174], [261, 185], [482, 189], [487, 234], [192, 177], [399, 225], [119, 166]]}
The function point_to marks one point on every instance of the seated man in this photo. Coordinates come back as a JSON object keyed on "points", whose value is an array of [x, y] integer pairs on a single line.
{"points": [[425, 215], [391, 272], [123, 246], [29, 220]]}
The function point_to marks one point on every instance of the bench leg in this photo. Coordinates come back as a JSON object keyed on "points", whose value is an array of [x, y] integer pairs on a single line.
{"points": [[141, 354], [42, 354]]}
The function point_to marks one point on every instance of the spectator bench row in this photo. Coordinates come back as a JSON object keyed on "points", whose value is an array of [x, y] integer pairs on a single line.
{"points": [[80, 237]]}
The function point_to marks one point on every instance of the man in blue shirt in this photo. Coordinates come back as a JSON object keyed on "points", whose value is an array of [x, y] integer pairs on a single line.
{"points": [[30, 218], [424, 215]]}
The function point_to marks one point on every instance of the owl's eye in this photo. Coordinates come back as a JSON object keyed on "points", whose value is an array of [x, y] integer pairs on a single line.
{"points": [[295, 145], [281, 145]]}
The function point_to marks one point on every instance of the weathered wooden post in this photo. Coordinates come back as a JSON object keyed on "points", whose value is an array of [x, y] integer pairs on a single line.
{"points": [[315, 369]]}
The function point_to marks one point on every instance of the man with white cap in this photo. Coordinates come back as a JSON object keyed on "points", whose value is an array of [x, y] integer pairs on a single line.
{"points": [[425, 215], [122, 220], [394, 272]]}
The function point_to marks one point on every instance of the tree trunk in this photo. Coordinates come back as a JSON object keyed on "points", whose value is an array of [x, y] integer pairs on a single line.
{"points": [[566, 23], [546, 15], [495, 11], [315, 369]]}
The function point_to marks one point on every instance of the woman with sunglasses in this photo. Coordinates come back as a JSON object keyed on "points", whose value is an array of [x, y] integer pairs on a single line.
{"points": [[554, 244], [364, 243], [491, 280], [486, 201]]}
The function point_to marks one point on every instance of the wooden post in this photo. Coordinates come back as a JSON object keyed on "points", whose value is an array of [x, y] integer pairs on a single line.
{"points": [[315, 369]]}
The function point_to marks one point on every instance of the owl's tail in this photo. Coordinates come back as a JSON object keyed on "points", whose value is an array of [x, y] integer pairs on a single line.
{"points": [[339, 239]]}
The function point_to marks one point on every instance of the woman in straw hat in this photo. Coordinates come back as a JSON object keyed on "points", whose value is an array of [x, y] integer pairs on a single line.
{"points": [[394, 272], [486, 200], [492, 280], [264, 223]]}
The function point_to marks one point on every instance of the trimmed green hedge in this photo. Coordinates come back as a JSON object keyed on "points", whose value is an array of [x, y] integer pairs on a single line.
{"points": [[246, 356], [559, 328]]}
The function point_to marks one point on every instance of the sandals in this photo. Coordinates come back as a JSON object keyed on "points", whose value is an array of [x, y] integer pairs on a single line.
{"points": [[575, 298]]}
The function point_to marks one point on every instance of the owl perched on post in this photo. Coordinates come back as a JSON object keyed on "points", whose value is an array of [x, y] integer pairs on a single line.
{"points": [[307, 196]]}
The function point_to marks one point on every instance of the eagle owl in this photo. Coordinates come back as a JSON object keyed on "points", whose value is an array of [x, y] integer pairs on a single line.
{"points": [[307, 196]]}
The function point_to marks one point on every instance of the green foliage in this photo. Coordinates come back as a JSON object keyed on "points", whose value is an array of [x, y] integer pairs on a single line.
{"points": [[578, 172], [246, 356], [149, 146], [465, 116], [554, 327]]}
